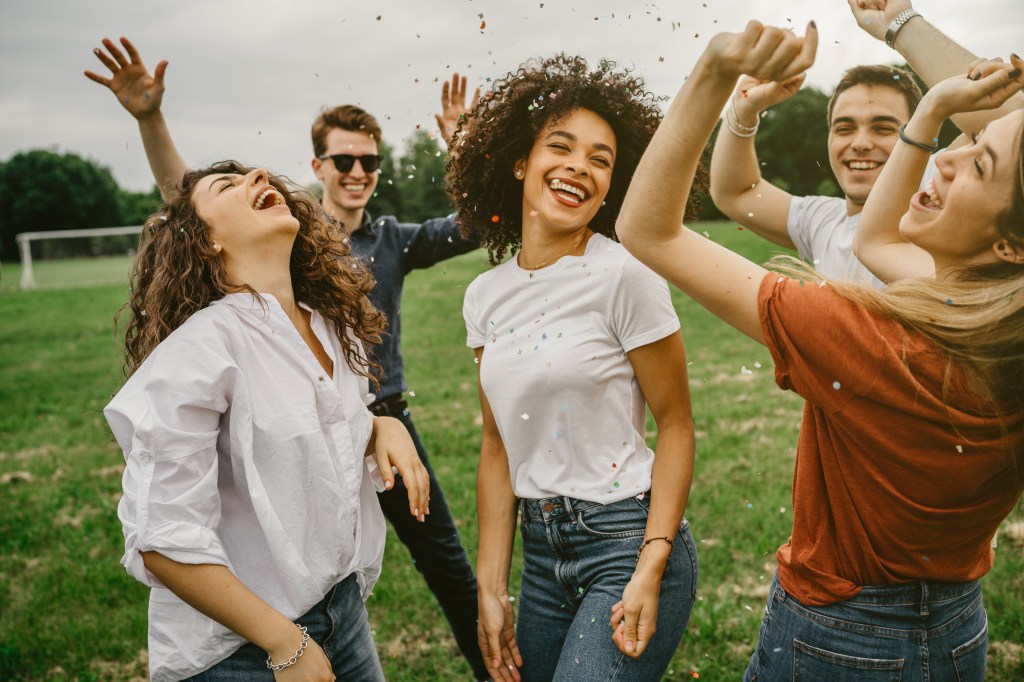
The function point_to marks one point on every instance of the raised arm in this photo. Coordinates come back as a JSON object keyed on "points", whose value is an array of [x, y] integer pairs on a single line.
{"points": [[453, 105], [141, 94], [878, 242], [737, 187], [931, 53], [650, 223]]}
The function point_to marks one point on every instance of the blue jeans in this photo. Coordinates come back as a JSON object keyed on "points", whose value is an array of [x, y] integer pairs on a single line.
{"points": [[577, 559], [914, 632], [438, 554], [337, 623]]}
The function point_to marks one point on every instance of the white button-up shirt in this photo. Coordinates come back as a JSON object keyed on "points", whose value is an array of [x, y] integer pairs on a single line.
{"points": [[242, 451]]}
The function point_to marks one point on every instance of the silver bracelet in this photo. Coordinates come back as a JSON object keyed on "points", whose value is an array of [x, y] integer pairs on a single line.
{"points": [[276, 667], [897, 24], [744, 132], [736, 118]]}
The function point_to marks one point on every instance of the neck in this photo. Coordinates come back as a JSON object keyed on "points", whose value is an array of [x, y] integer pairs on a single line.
{"points": [[265, 274], [351, 218], [542, 248], [852, 207]]}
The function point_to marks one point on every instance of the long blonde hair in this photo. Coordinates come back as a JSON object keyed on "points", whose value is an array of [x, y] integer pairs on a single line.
{"points": [[176, 272]]}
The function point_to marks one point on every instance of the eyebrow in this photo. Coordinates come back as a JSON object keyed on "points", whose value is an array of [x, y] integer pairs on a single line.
{"points": [[572, 138], [876, 119]]}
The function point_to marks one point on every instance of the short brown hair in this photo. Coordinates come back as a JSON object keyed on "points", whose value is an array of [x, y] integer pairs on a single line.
{"points": [[882, 76], [346, 117]]}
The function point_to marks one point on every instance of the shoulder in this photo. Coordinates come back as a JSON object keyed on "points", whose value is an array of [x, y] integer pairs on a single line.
{"points": [[818, 206]]}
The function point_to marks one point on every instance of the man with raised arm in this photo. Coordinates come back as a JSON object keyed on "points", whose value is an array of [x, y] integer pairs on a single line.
{"points": [[346, 160], [865, 113]]}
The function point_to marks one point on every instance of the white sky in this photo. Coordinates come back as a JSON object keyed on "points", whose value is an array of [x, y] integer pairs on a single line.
{"points": [[246, 78]]}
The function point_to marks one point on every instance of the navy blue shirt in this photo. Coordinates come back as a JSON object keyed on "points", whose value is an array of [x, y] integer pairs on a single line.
{"points": [[391, 250]]}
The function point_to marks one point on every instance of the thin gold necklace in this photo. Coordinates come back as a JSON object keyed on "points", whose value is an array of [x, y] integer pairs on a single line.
{"points": [[575, 245]]}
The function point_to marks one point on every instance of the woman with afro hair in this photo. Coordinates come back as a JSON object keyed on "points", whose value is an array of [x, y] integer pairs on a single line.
{"points": [[574, 338], [251, 458]]}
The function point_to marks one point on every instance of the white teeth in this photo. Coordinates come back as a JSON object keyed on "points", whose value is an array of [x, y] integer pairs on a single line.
{"points": [[863, 165], [269, 192], [557, 184], [354, 188], [933, 195]]}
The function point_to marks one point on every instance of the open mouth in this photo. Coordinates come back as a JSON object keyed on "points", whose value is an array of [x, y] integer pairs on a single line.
{"points": [[353, 187], [268, 198], [929, 198], [570, 193]]}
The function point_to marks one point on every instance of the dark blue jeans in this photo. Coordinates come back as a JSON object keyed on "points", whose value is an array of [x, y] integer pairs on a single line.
{"points": [[337, 623], [914, 632], [438, 554], [578, 557]]}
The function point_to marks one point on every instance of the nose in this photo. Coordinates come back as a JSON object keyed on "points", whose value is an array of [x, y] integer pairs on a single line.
{"points": [[863, 139], [257, 175]]}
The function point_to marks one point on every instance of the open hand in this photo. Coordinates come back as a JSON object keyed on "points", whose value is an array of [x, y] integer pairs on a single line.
{"points": [[497, 636], [393, 447], [137, 91], [453, 105]]}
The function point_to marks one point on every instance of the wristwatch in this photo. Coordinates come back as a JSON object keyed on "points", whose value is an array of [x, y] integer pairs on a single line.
{"points": [[897, 23]]}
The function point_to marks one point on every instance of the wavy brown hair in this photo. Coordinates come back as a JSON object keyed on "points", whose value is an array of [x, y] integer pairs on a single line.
{"points": [[505, 123], [177, 273]]}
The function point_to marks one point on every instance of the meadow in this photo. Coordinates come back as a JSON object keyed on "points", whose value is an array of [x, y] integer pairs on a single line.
{"points": [[68, 611]]}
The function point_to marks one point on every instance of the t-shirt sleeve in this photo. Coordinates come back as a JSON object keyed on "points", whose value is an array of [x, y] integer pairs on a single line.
{"points": [[807, 217], [475, 330], [825, 347], [641, 306], [166, 419]]}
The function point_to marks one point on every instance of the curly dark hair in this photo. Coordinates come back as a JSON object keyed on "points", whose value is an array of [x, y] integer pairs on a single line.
{"points": [[505, 123], [176, 272]]}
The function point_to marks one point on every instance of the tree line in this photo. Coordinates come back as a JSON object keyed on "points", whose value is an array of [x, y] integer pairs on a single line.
{"points": [[44, 190]]}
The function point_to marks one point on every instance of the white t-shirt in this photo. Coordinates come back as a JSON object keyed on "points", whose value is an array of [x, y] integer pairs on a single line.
{"points": [[241, 451], [823, 234], [555, 371]]}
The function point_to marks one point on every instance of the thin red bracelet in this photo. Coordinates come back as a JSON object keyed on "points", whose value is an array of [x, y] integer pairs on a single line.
{"points": [[650, 540]]}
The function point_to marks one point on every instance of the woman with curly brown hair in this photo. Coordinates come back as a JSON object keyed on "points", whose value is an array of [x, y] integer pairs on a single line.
{"points": [[249, 502], [573, 337]]}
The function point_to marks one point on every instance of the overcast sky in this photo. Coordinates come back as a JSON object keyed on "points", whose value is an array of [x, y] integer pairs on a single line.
{"points": [[246, 78]]}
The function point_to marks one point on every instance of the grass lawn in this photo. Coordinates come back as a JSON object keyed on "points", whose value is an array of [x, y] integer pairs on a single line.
{"points": [[70, 612]]}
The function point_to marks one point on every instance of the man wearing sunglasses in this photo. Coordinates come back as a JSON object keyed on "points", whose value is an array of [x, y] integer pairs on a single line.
{"points": [[346, 160]]}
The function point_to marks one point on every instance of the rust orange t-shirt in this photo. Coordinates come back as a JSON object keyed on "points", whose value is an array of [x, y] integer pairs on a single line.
{"points": [[891, 484]]}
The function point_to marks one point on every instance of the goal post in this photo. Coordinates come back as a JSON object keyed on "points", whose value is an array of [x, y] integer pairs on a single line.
{"points": [[25, 239]]}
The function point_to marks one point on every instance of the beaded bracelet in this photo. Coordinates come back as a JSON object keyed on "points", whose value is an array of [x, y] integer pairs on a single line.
{"points": [[930, 148], [276, 667], [649, 541]]}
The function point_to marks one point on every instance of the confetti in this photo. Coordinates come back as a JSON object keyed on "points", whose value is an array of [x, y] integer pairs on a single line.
{"points": [[782, 510], [744, 370], [483, 25], [412, 394], [757, 365], [495, 218], [836, 385], [959, 448]]}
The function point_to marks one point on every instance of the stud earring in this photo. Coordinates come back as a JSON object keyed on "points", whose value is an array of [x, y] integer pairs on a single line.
{"points": [[518, 173]]}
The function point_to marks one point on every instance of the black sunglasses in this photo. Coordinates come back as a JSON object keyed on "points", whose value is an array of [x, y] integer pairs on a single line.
{"points": [[344, 162]]}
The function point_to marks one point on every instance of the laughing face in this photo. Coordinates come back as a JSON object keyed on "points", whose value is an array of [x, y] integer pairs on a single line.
{"points": [[864, 130], [955, 219], [349, 191], [244, 212], [568, 171]]}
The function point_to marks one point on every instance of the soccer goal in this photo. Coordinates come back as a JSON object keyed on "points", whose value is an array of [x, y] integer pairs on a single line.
{"points": [[25, 240]]}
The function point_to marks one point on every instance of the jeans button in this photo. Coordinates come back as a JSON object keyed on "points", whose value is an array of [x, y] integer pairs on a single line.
{"points": [[548, 506]]}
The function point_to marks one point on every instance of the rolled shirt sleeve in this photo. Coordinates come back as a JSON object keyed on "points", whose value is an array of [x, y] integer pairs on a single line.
{"points": [[166, 419]]}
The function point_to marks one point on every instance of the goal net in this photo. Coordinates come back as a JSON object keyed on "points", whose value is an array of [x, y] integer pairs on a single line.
{"points": [[109, 248]]}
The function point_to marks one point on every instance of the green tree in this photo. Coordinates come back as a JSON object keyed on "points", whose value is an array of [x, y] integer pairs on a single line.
{"points": [[44, 190], [792, 145], [387, 199], [422, 171]]}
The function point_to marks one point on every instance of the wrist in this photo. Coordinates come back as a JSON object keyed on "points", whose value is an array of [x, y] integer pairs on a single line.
{"points": [[895, 27], [286, 641], [150, 118]]}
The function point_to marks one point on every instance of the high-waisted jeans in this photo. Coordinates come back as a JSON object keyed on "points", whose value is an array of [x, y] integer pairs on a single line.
{"points": [[577, 559], [914, 632]]}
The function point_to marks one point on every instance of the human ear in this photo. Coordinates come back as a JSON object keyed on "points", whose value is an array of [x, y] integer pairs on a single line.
{"points": [[1008, 252], [317, 165], [519, 169], [217, 248]]}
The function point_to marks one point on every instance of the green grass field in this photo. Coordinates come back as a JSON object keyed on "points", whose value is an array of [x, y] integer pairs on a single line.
{"points": [[70, 612]]}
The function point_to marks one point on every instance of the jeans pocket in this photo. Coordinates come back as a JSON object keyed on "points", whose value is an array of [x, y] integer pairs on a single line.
{"points": [[969, 657], [814, 664], [624, 519]]}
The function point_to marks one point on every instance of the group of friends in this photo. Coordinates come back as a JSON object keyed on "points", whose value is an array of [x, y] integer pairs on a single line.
{"points": [[267, 438]]}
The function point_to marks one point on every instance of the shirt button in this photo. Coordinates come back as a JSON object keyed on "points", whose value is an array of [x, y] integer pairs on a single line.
{"points": [[146, 458]]}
